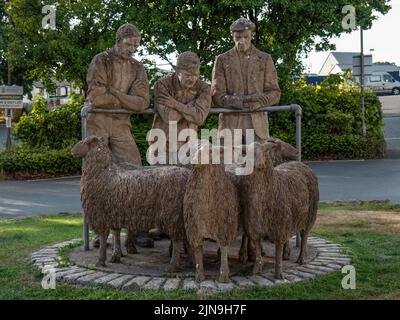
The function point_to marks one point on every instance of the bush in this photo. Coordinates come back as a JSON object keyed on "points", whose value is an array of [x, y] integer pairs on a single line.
{"points": [[331, 121], [56, 128], [27, 161]]}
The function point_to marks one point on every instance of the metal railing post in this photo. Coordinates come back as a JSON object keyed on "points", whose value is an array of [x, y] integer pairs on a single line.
{"points": [[84, 114]]}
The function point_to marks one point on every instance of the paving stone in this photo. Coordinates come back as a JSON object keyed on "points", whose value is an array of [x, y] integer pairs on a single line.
{"points": [[319, 267], [243, 281], [292, 278], [329, 264], [225, 287], [171, 284], [40, 258], [332, 254], [271, 277], [136, 283], [312, 270], [87, 280], [61, 274], [71, 278], [301, 274], [119, 282], [155, 283], [207, 287], [107, 278], [46, 264], [189, 285], [45, 260], [47, 251], [261, 280]]}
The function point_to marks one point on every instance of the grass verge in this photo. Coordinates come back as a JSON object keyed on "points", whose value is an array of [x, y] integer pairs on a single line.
{"points": [[372, 236]]}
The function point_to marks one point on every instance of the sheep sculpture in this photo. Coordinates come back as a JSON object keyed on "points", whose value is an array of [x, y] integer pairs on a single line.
{"points": [[280, 152], [211, 211], [277, 203], [114, 197]]}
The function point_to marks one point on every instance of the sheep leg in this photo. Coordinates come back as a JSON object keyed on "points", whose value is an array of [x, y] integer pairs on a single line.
{"points": [[103, 250], [174, 264], [224, 267], [258, 263], [303, 248], [198, 257], [130, 242], [243, 252], [117, 251], [286, 251], [278, 260]]}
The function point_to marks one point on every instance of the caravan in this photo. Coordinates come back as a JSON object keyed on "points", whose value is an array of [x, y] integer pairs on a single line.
{"points": [[382, 82]]}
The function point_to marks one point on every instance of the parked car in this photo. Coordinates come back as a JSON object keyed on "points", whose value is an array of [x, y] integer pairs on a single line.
{"points": [[382, 82]]}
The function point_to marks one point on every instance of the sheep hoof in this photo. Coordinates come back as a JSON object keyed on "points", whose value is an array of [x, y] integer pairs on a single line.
{"points": [[173, 268], [243, 258], [115, 259], [257, 269], [131, 250], [223, 279], [279, 276], [300, 260], [101, 263], [200, 277]]}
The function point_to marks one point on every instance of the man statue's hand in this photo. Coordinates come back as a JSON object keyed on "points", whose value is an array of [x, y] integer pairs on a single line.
{"points": [[167, 101], [174, 115], [251, 98]]}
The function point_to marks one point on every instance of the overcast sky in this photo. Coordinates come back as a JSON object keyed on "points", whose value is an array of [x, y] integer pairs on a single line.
{"points": [[383, 37]]}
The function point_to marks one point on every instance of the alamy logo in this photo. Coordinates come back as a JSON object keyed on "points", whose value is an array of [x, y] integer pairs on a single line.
{"points": [[49, 20], [49, 279], [349, 20], [349, 280]]}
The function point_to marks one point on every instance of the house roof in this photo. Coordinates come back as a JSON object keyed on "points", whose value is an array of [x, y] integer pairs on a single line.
{"points": [[345, 59]]}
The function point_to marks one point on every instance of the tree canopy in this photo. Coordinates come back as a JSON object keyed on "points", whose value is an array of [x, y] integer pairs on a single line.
{"points": [[285, 28]]}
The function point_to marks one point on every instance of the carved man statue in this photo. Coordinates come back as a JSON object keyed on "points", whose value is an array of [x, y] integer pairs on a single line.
{"points": [[117, 81], [182, 97], [245, 78]]}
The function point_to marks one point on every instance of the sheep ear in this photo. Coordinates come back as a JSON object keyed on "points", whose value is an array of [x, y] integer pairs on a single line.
{"points": [[80, 149], [269, 145]]}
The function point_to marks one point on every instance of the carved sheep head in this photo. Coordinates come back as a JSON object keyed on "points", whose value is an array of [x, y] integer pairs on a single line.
{"points": [[81, 149]]}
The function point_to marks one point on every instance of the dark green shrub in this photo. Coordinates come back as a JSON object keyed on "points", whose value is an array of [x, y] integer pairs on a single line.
{"points": [[28, 160]]}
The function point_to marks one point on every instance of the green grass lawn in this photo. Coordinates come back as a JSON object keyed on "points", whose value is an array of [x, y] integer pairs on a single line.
{"points": [[371, 231]]}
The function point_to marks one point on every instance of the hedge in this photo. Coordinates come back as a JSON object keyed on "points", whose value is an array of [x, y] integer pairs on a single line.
{"points": [[24, 161], [331, 127]]}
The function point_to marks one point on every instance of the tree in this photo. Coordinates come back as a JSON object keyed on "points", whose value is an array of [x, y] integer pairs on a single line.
{"points": [[285, 28]]}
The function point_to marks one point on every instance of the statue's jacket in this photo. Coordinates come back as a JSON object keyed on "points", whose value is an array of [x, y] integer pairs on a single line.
{"points": [[108, 70], [194, 111], [228, 85]]}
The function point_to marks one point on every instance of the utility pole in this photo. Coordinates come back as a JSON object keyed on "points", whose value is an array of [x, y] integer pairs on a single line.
{"points": [[364, 128]]}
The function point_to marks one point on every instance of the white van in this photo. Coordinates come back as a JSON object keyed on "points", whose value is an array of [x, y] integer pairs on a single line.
{"points": [[382, 82]]}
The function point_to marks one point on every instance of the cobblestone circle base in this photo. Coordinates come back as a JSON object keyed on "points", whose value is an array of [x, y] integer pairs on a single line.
{"points": [[329, 257]]}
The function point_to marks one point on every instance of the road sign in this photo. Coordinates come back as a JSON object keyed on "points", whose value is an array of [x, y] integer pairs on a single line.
{"points": [[357, 65], [11, 97]]}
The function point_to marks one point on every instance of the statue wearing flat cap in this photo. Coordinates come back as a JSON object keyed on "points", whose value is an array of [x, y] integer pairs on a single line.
{"points": [[245, 78], [118, 81], [181, 97]]}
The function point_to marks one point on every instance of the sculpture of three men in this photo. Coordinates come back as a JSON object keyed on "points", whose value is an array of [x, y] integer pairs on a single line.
{"points": [[243, 78]]}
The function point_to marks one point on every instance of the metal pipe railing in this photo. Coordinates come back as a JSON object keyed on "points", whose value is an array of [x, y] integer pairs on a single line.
{"points": [[293, 107]]}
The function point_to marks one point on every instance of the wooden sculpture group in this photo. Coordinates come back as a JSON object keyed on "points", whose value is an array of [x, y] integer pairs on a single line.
{"points": [[204, 201]]}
